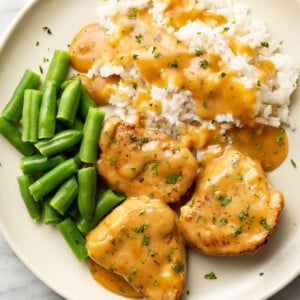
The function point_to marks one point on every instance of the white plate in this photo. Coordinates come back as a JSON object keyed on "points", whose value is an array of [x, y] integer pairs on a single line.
{"points": [[43, 249]]}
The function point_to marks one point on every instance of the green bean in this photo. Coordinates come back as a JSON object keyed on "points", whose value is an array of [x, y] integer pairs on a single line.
{"points": [[51, 216], [69, 102], [58, 68], [30, 115], [14, 136], [106, 202], [85, 103], [61, 142], [91, 132], [39, 163], [78, 125], [46, 128], [85, 100], [65, 195], [13, 110], [53, 178], [59, 126], [65, 84], [74, 238], [87, 182], [33, 207], [73, 211]]}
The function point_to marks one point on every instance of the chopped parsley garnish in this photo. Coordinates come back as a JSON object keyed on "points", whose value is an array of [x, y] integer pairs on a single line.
{"points": [[173, 64], [204, 104], [128, 278], [133, 13], [203, 64], [113, 160], [237, 231], [264, 44], [142, 212], [223, 74], [151, 253], [135, 56], [141, 228], [239, 177], [155, 283], [210, 276], [139, 38], [264, 224], [157, 54], [178, 268], [171, 179], [47, 29], [223, 222], [185, 156], [293, 163], [225, 200], [282, 130], [244, 213], [143, 140], [130, 236], [146, 239], [154, 167], [198, 52], [132, 137], [279, 140]]}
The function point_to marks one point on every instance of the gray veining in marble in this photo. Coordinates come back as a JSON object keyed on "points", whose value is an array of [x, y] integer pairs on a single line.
{"points": [[19, 283]]}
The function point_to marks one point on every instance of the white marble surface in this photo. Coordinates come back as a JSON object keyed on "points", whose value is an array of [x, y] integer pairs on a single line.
{"points": [[16, 281]]}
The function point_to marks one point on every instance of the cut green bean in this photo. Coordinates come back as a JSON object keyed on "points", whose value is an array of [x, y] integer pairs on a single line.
{"points": [[47, 116], [78, 125], [53, 178], [65, 195], [51, 216], [106, 202], [85, 103], [74, 238], [58, 68], [65, 84], [87, 182], [34, 208], [30, 115], [39, 163], [91, 131], [62, 141], [14, 136], [14, 107], [69, 102], [85, 100], [73, 211]]}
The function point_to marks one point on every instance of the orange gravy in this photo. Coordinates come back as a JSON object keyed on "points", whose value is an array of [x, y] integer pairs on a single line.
{"points": [[267, 144], [112, 282], [163, 60]]}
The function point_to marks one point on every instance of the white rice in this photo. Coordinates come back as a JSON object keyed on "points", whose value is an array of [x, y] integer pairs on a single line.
{"points": [[178, 110]]}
